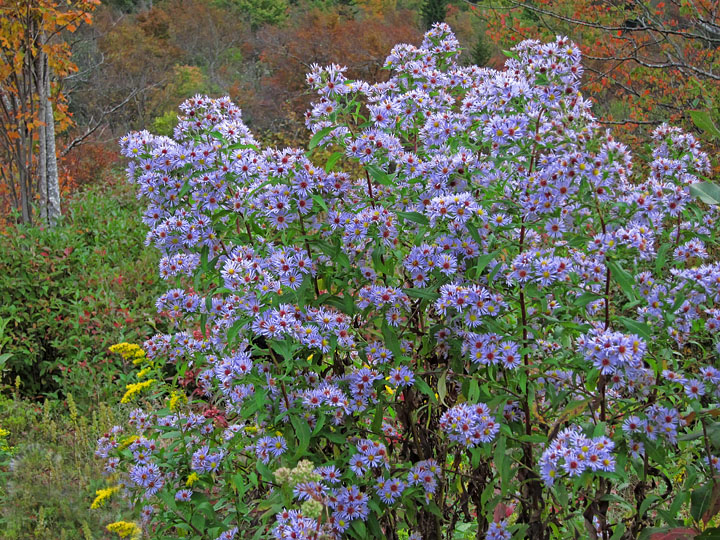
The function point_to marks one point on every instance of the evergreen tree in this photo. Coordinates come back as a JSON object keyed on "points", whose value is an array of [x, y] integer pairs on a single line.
{"points": [[433, 11], [481, 52]]}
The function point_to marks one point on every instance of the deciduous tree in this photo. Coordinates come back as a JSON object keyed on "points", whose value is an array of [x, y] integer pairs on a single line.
{"points": [[32, 49]]}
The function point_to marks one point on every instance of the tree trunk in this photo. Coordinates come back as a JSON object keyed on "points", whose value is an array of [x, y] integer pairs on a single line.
{"points": [[41, 184], [53, 180], [48, 184]]}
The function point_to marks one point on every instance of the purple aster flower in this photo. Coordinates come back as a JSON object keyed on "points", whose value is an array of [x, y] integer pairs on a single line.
{"points": [[694, 389], [498, 531], [183, 495]]}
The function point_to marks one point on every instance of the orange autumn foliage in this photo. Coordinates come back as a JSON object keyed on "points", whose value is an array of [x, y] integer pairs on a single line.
{"points": [[646, 62], [32, 32], [332, 36]]}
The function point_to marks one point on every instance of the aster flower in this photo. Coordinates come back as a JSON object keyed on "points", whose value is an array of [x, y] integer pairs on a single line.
{"points": [[469, 424], [498, 531]]}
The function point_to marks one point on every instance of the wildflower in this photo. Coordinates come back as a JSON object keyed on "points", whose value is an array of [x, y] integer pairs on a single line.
{"points": [[135, 388], [389, 490], [125, 529], [102, 496], [694, 389], [176, 398], [498, 531], [575, 453], [183, 495], [228, 535], [469, 424], [191, 479]]}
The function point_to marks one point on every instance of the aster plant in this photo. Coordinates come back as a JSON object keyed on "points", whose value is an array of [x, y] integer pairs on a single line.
{"points": [[477, 315]]}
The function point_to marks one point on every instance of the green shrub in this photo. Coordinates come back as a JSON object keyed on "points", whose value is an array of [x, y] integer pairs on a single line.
{"points": [[49, 478], [68, 293]]}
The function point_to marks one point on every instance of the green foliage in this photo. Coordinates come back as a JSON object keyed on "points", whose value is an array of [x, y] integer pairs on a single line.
{"points": [[259, 12], [165, 124], [433, 11], [49, 482], [68, 293], [482, 51], [186, 81]]}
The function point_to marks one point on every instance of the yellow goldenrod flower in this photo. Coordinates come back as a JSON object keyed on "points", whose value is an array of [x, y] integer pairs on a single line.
{"points": [[127, 442], [143, 372], [125, 529], [176, 398], [102, 496], [192, 479], [4, 433], [128, 351], [134, 388]]}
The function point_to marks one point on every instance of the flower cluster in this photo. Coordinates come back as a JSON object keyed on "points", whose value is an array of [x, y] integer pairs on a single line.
{"points": [[571, 453], [469, 425], [475, 246]]}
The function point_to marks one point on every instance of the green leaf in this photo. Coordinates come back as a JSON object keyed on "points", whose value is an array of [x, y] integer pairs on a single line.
{"points": [[319, 136], [425, 389], [473, 232], [185, 189], [707, 192], [585, 298], [646, 504], [243, 146], [217, 135], [700, 501], [332, 160], [234, 330], [380, 176], [639, 328], [4, 358], [334, 436], [376, 256], [391, 340], [442, 387], [661, 257], [533, 438], [424, 294], [703, 121], [320, 202], [302, 430], [319, 425], [343, 260], [377, 420], [623, 278], [483, 261], [618, 532], [434, 509], [500, 458], [474, 391], [415, 217], [494, 272], [375, 529], [359, 528]]}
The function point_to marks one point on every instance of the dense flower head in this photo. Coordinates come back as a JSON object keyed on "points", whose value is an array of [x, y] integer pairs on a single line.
{"points": [[498, 531], [572, 453], [613, 351], [470, 425]]}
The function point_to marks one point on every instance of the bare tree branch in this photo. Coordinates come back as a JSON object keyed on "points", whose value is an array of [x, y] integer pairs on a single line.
{"points": [[94, 126]]}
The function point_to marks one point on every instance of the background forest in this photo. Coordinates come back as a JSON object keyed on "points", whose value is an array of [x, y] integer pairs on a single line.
{"points": [[76, 279]]}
